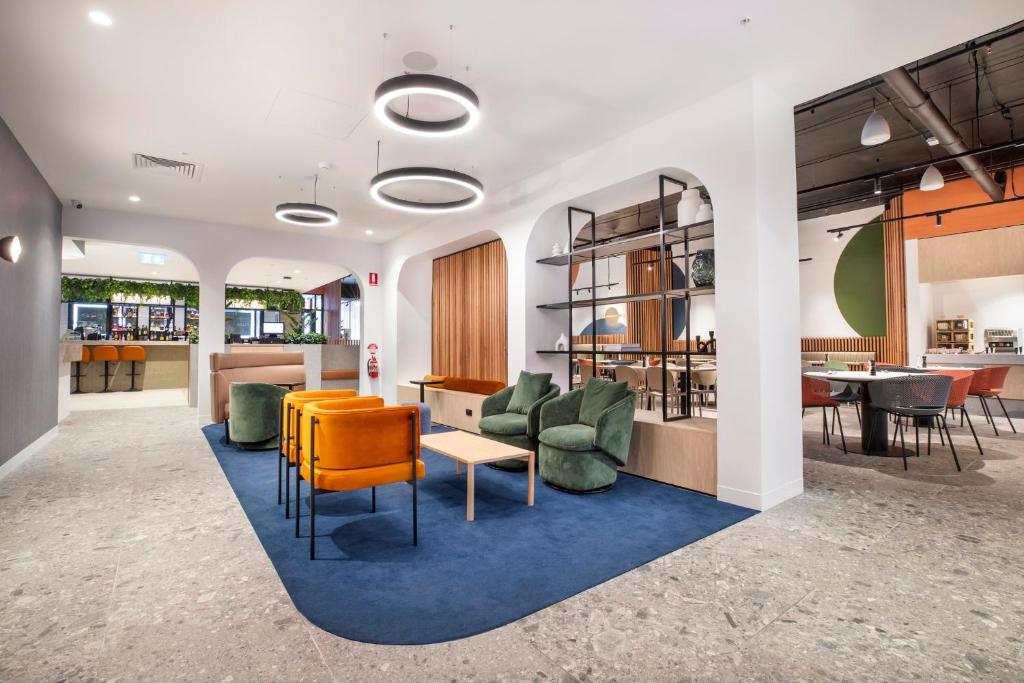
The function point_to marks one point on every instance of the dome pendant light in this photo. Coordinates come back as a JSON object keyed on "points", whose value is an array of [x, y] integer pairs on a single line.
{"points": [[875, 130], [932, 179], [426, 84], [302, 213], [423, 173]]}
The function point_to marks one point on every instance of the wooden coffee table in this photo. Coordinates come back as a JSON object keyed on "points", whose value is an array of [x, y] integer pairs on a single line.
{"points": [[470, 450]]}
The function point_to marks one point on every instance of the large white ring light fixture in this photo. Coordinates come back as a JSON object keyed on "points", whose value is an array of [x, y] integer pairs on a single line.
{"points": [[426, 84], [299, 213], [399, 175]]}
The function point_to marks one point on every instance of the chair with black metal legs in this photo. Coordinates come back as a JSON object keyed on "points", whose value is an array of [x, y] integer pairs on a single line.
{"points": [[291, 407], [78, 369], [914, 397], [816, 393], [348, 450], [988, 383], [962, 380]]}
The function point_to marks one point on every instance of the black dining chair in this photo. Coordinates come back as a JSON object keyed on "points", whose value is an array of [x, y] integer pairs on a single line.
{"points": [[915, 396]]}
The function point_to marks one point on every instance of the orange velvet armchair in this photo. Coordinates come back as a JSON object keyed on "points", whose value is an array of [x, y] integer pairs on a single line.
{"points": [[291, 410], [344, 447]]}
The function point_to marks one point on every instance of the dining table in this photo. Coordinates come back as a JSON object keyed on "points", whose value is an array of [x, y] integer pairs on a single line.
{"points": [[874, 425]]}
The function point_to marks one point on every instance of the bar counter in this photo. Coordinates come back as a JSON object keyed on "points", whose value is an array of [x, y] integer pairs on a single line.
{"points": [[1014, 387], [166, 365]]}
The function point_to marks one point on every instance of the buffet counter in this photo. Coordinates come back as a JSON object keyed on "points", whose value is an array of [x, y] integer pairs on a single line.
{"points": [[1014, 380]]}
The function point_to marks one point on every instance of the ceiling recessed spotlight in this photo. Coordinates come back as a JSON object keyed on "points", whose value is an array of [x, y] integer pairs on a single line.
{"points": [[100, 18], [369, 232], [277, 282], [152, 272], [297, 270], [134, 198], [932, 141], [440, 175], [407, 85]]}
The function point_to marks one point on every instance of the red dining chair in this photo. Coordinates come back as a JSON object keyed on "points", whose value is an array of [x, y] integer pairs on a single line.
{"points": [[988, 383], [962, 381], [817, 393]]}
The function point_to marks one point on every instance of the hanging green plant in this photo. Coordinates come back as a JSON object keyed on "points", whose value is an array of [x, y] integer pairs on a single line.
{"points": [[91, 290]]}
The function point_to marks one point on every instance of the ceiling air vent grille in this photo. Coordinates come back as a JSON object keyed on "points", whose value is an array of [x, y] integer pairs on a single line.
{"points": [[172, 167]]}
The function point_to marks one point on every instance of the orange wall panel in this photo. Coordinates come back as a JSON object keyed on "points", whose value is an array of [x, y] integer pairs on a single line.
{"points": [[961, 193]]}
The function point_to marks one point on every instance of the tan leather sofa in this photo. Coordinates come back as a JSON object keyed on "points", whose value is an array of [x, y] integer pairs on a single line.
{"points": [[273, 368]]}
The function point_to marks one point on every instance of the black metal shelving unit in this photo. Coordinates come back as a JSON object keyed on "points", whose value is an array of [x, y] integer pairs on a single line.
{"points": [[666, 236]]}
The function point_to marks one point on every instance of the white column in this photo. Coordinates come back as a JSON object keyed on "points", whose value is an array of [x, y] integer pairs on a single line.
{"points": [[212, 280], [760, 460]]}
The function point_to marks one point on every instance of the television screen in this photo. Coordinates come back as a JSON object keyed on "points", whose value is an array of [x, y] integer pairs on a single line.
{"points": [[273, 328]]}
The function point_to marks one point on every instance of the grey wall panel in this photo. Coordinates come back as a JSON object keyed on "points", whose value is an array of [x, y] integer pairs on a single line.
{"points": [[29, 300]]}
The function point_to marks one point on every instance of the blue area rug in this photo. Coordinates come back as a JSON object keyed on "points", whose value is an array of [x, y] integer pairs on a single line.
{"points": [[369, 583]]}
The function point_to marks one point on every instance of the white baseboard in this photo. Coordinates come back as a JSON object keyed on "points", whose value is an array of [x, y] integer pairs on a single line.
{"points": [[27, 452], [761, 501]]}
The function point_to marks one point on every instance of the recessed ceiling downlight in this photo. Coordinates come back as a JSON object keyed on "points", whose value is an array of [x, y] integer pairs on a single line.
{"points": [[300, 213], [422, 173], [100, 18], [426, 84]]}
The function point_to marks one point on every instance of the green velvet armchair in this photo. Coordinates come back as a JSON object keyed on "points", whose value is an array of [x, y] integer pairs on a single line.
{"points": [[512, 415], [584, 436], [254, 419]]}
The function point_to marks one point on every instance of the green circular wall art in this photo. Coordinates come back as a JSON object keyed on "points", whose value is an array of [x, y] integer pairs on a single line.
{"points": [[860, 281]]}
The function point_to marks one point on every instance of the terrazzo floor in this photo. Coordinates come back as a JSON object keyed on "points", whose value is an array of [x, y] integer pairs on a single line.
{"points": [[124, 555]]}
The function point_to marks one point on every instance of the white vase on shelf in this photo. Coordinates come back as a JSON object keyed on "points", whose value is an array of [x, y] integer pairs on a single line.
{"points": [[686, 210], [704, 213], [556, 249], [566, 250], [562, 344]]}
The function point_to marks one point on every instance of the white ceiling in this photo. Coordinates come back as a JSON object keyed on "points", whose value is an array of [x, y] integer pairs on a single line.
{"points": [[260, 91], [111, 259]]}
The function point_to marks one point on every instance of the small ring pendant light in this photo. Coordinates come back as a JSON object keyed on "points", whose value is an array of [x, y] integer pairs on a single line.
{"points": [[303, 213]]}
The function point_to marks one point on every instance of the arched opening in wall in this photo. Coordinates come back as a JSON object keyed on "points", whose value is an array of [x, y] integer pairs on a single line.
{"points": [[619, 289], [288, 305], [135, 309], [453, 317]]}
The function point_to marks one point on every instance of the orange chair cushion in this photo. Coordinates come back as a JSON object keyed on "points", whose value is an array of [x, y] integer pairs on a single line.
{"points": [[136, 353], [435, 378], [298, 399], [354, 439], [340, 374], [104, 353], [473, 386], [364, 477]]}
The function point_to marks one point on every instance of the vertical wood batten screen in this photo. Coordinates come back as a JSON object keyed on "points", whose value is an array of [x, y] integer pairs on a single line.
{"points": [[470, 313]]}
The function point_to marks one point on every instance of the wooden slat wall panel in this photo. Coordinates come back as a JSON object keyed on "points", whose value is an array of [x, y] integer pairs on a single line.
{"points": [[644, 317], [892, 348], [332, 310], [470, 313]]}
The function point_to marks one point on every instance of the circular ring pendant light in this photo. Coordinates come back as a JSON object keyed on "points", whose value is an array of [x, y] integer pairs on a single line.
{"points": [[426, 84], [304, 213], [423, 173]]}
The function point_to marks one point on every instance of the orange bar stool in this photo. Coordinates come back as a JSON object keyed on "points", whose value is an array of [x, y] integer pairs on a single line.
{"points": [[78, 369], [135, 354], [291, 411], [105, 354]]}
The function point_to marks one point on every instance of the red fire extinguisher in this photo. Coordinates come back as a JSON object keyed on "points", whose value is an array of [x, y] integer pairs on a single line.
{"points": [[372, 365]]}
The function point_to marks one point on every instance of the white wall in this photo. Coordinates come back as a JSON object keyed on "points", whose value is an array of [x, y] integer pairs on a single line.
{"points": [[215, 248], [988, 301], [819, 313], [740, 143]]}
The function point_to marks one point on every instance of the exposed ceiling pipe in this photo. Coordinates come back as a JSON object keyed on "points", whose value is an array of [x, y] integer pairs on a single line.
{"points": [[922, 107]]}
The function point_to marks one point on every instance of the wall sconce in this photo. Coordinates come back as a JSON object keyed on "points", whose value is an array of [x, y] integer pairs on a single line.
{"points": [[10, 248]]}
